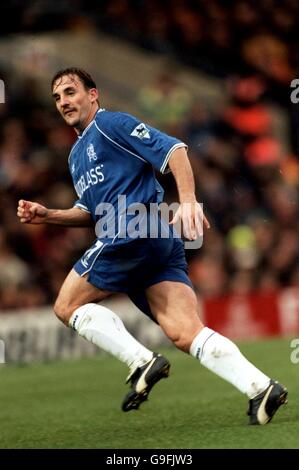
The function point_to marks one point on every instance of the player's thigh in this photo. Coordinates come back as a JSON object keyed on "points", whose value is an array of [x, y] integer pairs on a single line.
{"points": [[74, 292], [174, 305]]}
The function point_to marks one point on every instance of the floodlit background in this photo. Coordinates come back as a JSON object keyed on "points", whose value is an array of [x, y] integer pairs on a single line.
{"points": [[216, 74]]}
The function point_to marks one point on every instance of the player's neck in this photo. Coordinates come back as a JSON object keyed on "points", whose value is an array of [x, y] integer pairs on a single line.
{"points": [[90, 117]]}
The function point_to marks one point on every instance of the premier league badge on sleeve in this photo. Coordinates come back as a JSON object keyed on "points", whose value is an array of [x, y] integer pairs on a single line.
{"points": [[141, 131]]}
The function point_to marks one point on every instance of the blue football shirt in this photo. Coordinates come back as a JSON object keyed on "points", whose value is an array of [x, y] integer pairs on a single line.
{"points": [[112, 165]]}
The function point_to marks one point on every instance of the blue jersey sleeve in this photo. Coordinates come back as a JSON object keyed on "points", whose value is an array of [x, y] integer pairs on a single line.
{"points": [[146, 142]]}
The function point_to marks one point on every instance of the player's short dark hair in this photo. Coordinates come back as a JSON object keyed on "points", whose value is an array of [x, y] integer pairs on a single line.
{"points": [[84, 77]]}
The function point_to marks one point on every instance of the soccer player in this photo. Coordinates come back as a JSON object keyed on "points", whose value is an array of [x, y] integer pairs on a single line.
{"points": [[112, 165]]}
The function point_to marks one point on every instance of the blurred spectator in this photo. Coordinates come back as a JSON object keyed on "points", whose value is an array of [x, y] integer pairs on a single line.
{"points": [[263, 151], [165, 103], [242, 247], [246, 115], [268, 55], [208, 276], [289, 169]]}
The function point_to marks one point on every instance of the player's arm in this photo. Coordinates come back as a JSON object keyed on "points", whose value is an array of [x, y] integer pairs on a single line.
{"points": [[34, 213], [190, 211]]}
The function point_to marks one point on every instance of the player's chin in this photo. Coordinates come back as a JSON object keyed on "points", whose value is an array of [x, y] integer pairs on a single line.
{"points": [[71, 121]]}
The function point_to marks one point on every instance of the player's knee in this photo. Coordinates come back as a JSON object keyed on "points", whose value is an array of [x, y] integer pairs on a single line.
{"points": [[63, 310], [182, 337]]}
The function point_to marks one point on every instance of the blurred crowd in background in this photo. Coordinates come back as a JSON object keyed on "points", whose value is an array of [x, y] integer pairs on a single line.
{"points": [[246, 176], [220, 36]]}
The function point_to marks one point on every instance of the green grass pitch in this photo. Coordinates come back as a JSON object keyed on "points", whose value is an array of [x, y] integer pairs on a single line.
{"points": [[76, 404]]}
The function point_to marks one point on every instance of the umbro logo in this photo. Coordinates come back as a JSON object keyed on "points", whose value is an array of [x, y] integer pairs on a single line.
{"points": [[91, 153], [141, 131], [73, 325]]}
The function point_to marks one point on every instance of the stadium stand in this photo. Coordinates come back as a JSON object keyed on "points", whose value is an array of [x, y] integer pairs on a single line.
{"points": [[243, 152]]}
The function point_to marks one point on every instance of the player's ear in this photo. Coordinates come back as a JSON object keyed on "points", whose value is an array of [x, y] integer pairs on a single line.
{"points": [[94, 94]]}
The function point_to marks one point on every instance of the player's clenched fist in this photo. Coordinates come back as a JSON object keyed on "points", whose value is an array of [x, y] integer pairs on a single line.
{"points": [[31, 212]]}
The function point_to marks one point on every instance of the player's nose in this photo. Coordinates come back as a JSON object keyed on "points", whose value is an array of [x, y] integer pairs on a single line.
{"points": [[64, 102]]}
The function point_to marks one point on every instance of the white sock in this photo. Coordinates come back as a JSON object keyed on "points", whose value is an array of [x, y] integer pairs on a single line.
{"points": [[223, 357], [104, 328]]}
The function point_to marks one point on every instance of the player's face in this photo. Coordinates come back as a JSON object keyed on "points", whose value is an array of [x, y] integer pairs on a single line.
{"points": [[76, 104]]}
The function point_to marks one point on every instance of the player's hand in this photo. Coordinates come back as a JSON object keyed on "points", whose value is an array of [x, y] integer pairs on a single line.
{"points": [[193, 219], [31, 212]]}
